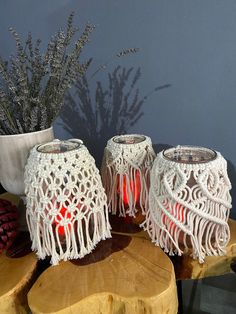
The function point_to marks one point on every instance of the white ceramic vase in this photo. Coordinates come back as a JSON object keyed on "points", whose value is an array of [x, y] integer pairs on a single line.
{"points": [[14, 151]]}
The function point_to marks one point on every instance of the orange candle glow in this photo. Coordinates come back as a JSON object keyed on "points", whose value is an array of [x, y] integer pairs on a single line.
{"points": [[61, 215], [133, 188]]}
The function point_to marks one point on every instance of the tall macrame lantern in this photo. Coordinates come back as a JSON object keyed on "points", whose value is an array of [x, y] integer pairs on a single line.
{"points": [[189, 202], [66, 203], [125, 173]]}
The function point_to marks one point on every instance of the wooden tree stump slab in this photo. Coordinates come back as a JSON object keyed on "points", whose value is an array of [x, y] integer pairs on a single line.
{"points": [[123, 275], [187, 268], [15, 278], [16, 272]]}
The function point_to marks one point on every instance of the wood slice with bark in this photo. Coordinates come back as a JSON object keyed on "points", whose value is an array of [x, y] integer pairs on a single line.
{"points": [[123, 275], [188, 268], [17, 269]]}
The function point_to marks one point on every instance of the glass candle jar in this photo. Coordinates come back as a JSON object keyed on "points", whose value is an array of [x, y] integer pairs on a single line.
{"points": [[67, 212], [125, 174], [189, 201]]}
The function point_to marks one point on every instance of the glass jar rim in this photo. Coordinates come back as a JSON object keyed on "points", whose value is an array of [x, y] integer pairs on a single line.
{"points": [[128, 139], [58, 147], [195, 156]]}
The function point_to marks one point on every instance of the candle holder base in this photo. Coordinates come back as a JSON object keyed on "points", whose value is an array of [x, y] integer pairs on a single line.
{"points": [[126, 224]]}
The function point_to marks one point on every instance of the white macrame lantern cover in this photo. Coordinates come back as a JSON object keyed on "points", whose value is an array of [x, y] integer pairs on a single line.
{"points": [[67, 211], [125, 171], [189, 202]]}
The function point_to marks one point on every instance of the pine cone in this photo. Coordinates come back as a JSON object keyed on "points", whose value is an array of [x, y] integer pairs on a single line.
{"points": [[8, 224]]}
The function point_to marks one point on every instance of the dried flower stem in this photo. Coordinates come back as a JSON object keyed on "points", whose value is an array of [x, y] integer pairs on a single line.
{"points": [[33, 85]]}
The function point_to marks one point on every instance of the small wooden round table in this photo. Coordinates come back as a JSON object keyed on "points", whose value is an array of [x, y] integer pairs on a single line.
{"points": [[188, 268], [123, 275]]}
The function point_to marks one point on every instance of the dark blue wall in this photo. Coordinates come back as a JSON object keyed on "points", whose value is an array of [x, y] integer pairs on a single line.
{"points": [[189, 44]]}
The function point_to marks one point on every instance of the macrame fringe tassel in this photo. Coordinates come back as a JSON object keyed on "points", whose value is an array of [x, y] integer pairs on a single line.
{"points": [[176, 227], [79, 238], [128, 189], [206, 238]]}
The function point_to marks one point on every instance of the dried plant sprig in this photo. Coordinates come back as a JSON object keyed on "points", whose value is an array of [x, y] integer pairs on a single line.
{"points": [[125, 52], [33, 84], [120, 54]]}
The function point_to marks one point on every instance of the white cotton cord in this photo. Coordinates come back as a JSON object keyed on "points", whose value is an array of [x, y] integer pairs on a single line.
{"points": [[126, 166], [67, 181], [189, 217]]}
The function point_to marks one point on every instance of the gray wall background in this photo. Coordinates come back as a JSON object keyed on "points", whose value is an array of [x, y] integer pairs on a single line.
{"points": [[188, 44]]}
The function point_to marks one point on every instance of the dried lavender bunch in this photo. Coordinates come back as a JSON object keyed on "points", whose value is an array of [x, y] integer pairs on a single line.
{"points": [[33, 84]]}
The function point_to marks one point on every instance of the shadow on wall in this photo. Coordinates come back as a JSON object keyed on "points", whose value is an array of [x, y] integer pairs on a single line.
{"points": [[108, 111], [159, 147]]}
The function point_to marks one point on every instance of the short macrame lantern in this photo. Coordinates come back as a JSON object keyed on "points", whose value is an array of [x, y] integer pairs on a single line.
{"points": [[126, 169], [189, 202], [67, 211]]}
